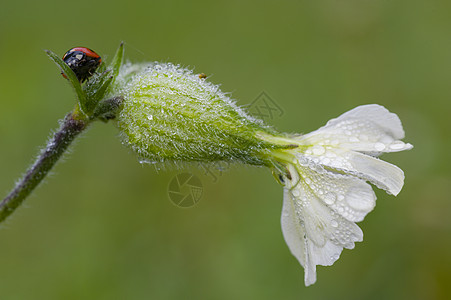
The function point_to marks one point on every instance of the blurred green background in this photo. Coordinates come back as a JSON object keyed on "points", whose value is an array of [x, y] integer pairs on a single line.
{"points": [[102, 226]]}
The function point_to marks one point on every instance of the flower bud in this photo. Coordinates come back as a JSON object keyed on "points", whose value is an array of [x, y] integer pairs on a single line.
{"points": [[170, 114]]}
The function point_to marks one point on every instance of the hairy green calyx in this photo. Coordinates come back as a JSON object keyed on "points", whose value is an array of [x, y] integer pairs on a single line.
{"points": [[170, 114]]}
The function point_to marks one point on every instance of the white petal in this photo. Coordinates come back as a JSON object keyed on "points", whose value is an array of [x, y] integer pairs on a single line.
{"points": [[369, 128], [382, 174], [379, 115], [346, 195], [294, 235], [314, 232]]}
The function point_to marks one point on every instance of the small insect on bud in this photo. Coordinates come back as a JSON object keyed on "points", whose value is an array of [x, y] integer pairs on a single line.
{"points": [[202, 76], [83, 61]]}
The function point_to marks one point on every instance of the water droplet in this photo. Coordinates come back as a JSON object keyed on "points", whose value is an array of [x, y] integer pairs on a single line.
{"points": [[335, 257], [379, 146], [150, 117], [318, 150], [334, 224], [331, 154], [353, 139], [397, 146], [329, 199], [295, 193], [325, 161]]}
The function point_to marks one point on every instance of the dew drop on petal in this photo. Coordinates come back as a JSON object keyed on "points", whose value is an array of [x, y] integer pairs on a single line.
{"points": [[334, 223], [329, 199], [397, 145], [325, 161], [379, 146], [331, 154], [318, 150], [335, 257]]}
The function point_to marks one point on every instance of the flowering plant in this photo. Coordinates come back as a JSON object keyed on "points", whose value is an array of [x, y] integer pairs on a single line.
{"points": [[166, 113]]}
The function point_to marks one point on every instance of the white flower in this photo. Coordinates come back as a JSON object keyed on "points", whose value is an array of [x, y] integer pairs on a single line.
{"points": [[325, 189]]}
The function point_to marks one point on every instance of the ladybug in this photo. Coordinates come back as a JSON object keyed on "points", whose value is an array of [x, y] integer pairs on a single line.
{"points": [[83, 61]]}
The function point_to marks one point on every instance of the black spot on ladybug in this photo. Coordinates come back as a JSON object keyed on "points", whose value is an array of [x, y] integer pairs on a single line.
{"points": [[83, 61]]}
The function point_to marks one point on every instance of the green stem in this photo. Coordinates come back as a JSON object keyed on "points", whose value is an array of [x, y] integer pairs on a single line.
{"points": [[73, 124]]}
